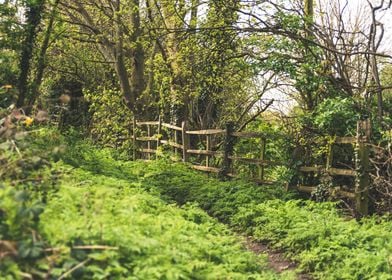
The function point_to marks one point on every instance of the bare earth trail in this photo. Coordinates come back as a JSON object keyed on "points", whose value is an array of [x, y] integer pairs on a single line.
{"points": [[276, 259]]}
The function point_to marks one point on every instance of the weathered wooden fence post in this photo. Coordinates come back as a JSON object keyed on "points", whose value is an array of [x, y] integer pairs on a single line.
{"points": [[228, 148], [149, 141], [329, 163], [175, 149], [262, 158], [362, 180], [159, 134], [134, 139], [208, 148], [185, 142]]}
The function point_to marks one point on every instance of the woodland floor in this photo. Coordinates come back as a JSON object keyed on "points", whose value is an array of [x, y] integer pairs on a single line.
{"points": [[167, 221]]}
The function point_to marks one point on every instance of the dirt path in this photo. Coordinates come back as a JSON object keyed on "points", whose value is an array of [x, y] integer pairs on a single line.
{"points": [[276, 260]]}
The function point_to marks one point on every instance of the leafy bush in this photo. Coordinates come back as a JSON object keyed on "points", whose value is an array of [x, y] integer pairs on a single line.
{"points": [[111, 119], [337, 116]]}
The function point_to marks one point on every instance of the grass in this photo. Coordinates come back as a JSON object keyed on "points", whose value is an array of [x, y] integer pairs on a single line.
{"points": [[315, 235], [142, 195], [96, 220]]}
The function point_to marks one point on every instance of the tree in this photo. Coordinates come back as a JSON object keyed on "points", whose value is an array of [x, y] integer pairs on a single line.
{"points": [[33, 13], [104, 24]]}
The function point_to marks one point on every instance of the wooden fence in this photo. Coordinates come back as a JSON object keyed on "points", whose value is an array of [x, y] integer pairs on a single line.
{"points": [[217, 156], [149, 136], [361, 174]]}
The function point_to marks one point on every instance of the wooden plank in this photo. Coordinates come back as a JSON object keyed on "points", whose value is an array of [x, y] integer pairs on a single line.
{"points": [[171, 126], [205, 152], [172, 144], [310, 189], [148, 151], [151, 138], [147, 123], [344, 140], [248, 134], [206, 132], [341, 172], [256, 180], [206, 169], [317, 168], [346, 194], [263, 182], [307, 189]]}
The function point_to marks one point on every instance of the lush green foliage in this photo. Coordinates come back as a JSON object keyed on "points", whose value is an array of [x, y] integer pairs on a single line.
{"points": [[153, 240], [313, 234], [337, 116], [98, 221], [320, 240], [111, 119]]}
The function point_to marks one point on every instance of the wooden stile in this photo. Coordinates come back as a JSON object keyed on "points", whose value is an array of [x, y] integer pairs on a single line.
{"points": [[361, 141]]}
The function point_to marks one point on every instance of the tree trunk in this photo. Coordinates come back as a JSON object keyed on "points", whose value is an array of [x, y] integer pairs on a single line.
{"points": [[41, 63], [137, 58], [34, 12]]}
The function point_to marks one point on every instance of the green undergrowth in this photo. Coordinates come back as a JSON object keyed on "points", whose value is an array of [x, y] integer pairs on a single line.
{"points": [[140, 196], [95, 220], [324, 243], [151, 239]]}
